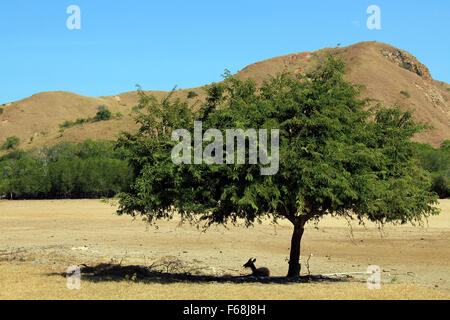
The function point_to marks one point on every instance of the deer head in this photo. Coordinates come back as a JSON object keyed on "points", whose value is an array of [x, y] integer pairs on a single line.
{"points": [[250, 263]]}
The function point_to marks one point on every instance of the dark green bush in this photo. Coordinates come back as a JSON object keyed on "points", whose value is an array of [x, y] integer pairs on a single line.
{"points": [[11, 143], [67, 124], [192, 94], [103, 114]]}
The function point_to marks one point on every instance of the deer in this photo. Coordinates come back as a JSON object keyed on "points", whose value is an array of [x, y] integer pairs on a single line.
{"points": [[260, 272]]}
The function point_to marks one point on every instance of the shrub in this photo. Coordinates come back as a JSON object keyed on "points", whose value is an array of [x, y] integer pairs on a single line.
{"points": [[67, 124], [103, 114], [405, 93], [11, 143], [192, 94], [1, 111], [407, 66], [80, 121]]}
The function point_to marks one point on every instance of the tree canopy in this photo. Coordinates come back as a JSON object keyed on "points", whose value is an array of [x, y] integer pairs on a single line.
{"points": [[338, 155]]}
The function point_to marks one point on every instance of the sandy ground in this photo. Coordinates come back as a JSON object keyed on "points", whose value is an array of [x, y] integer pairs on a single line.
{"points": [[39, 239]]}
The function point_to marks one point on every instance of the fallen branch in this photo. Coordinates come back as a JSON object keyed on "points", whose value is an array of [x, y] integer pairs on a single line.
{"points": [[340, 274]]}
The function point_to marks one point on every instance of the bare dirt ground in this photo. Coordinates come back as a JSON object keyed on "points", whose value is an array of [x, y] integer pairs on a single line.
{"points": [[39, 239]]}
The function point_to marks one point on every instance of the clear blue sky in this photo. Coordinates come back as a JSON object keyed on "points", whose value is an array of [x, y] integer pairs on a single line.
{"points": [[159, 44]]}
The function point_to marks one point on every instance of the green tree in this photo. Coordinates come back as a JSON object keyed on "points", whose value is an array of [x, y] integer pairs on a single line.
{"points": [[337, 157], [102, 114], [23, 177]]}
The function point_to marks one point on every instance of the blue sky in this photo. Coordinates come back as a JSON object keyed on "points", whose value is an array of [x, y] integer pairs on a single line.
{"points": [[159, 44]]}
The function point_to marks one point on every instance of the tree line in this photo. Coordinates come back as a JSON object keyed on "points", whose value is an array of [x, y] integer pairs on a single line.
{"points": [[437, 162], [92, 169], [95, 169]]}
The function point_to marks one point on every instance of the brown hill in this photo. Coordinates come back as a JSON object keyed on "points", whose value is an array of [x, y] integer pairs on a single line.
{"points": [[391, 75]]}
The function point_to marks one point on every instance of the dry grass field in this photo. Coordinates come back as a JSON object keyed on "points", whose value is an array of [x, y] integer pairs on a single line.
{"points": [[40, 239]]}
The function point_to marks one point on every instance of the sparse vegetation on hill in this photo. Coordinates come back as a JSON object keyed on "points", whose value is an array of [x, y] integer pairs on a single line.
{"points": [[103, 114]]}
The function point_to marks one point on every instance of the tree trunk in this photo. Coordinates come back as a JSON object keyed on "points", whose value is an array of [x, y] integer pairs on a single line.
{"points": [[294, 259]]}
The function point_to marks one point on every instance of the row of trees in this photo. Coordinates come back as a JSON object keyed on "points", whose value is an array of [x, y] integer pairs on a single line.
{"points": [[95, 169], [437, 162], [87, 170]]}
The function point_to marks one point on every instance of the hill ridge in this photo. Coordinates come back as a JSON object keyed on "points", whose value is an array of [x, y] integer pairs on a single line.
{"points": [[389, 74]]}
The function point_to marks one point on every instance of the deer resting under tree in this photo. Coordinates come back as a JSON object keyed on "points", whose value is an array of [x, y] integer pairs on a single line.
{"points": [[339, 155]]}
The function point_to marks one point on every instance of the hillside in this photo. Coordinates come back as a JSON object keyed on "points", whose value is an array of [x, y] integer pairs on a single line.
{"points": [[389, 74]]}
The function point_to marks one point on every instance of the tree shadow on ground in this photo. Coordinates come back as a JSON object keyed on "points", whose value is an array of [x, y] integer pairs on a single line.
{"points": [[106, 272]]}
